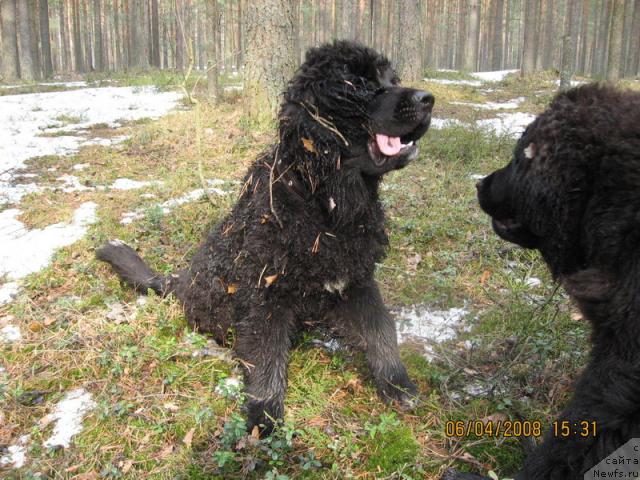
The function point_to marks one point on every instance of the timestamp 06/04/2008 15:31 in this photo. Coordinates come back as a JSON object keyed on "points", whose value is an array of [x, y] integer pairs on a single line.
{"points": [[518, 428]]}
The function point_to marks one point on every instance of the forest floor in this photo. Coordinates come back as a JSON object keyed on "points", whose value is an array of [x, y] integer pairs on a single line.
{"points": [[97, 382]]}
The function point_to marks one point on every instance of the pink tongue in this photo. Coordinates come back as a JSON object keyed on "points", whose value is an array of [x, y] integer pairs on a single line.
{"points": [[388, 145]]}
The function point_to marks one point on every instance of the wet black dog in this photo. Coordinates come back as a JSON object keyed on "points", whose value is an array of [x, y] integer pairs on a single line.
{"points": [[572, 191], [300, 246]]}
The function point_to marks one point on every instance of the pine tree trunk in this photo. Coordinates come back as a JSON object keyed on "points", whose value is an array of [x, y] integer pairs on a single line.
{"points": [[213, 25], [497, 35], [633, 66], [529, 43], [569, 44], [45, 40], [239, 45], [603, 38], [584, 36], [27, 67], [409, 63], [77, 37], [9, 60], [614, 62], [471, 41], [269, 58], [97, 35]]}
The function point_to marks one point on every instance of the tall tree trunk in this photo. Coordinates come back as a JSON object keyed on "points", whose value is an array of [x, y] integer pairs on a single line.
{"points": [[10, 64], [97, 35], [27, 66], [155, 35], [569, 40], [213, 25], [497, 35], [45, 40], [34, 28], [614, 63], [633, 65], [529, 43], [239, 45], [269, 58], [584, 36], [603, 38], [471, 41], [409, 49], [77, 37]]}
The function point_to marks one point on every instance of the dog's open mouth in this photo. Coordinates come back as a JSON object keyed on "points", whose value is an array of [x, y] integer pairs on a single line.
{"points": [[384, 147]]}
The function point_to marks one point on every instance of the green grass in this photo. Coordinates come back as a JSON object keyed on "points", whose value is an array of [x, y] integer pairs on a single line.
{"points": [[158, 416]]}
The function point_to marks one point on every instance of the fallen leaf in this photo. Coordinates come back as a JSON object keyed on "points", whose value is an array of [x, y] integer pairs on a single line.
{"points": [[188, 438], [127, 466], [232, 288], [308, 145], [413, 261], [35, 326], [270, 279], [172, 407], [167, 451], [576, 317], [49, 321], [484, 277], [255, 432], [317, 422]]}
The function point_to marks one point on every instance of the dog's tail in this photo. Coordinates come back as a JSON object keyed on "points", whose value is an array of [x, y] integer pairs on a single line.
{"points": [[131, 268]]}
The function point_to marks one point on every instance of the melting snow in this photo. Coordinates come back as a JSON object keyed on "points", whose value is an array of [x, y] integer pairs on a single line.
{"points": [[445, 122], [25, 117], [166, 207], [511, 104], [68, 415], [10, 333], [533, 282], [25, 251], [229, 387], [128, 184], [17, 455], [420, 323], [494, 76], [512, 124], [444, 81]]}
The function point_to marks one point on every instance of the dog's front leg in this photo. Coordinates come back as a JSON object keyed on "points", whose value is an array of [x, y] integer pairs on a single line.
{"points": [[365, 321], [262, 345]]}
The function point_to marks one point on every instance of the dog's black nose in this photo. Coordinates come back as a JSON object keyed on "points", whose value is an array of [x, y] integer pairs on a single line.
{"points": [[423, 98]]}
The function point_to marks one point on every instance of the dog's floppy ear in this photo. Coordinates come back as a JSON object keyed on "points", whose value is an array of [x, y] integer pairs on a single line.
{"points": [[589, 285]]}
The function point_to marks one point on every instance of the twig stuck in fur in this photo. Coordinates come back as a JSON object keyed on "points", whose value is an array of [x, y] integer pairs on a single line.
{"points": [[325, 123], [271, 182]]}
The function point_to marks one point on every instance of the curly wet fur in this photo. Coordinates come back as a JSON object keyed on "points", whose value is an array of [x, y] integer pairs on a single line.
{"points": [[299, 247], [572, 191]]}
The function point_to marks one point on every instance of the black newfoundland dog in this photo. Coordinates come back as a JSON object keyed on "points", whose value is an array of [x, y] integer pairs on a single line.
{"points": [[572, 191], [299, 248]]}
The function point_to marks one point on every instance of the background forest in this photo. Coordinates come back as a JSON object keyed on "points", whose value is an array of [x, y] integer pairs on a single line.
{"points": [[136, 119], [43, 37]]}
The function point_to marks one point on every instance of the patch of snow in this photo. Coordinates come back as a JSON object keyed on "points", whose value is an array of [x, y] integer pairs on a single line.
{"points": [[81, 166], [10, 333], [68, 415], [229, 387], [13, 193], [420, 323], [17, 455], [447, 70], [166, 207], [476, 176], [573, 83], [71, 183], [533, 282], [494, 76], [25, 117], [510, 105], [25, 251], [512, 124], [8, 291], [445, 81], [445, 122], [128, 184]]}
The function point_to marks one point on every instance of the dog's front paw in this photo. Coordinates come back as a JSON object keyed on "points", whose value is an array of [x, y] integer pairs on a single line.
{"points": [[452, 474], [263, 414]]}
